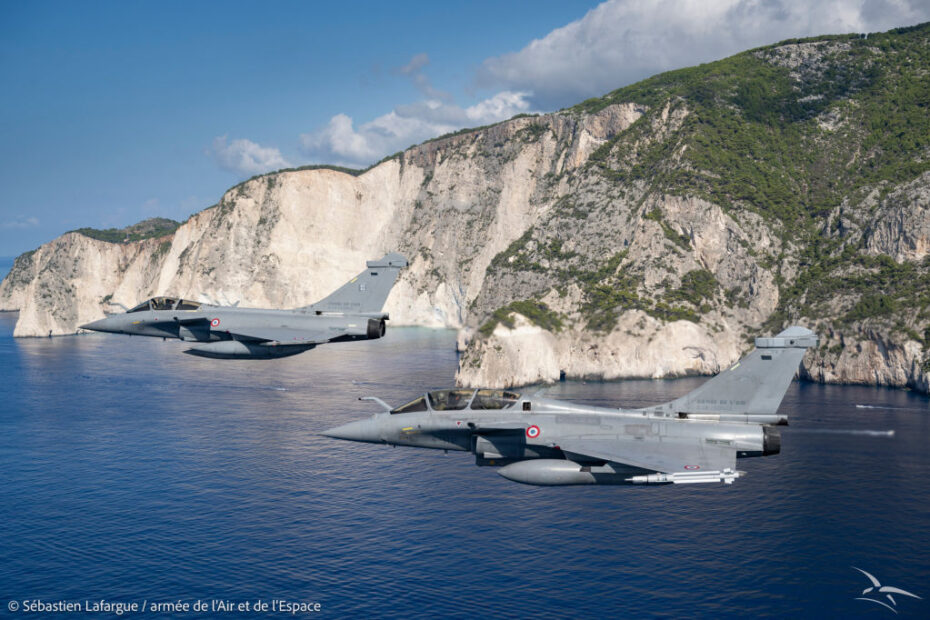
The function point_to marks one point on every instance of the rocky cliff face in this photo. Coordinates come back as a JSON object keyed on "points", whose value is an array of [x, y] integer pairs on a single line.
{"points": [[287, 239], [652, 232]]}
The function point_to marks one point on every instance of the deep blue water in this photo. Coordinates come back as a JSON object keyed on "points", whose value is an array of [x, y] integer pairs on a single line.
{"points": [[132, 472]]}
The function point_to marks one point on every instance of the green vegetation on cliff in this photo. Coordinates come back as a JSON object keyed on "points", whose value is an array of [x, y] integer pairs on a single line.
{"points": [[146, 229], [787, 184], [804, 133], [786, 132], [537, 313]]}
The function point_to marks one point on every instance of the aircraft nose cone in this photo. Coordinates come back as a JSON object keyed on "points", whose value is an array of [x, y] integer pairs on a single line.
{"points": [[101, 325], [363, 430]]}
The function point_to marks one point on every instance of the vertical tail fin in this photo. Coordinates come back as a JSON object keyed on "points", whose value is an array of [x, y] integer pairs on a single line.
{"points": [[366, 292], [753, 388]]}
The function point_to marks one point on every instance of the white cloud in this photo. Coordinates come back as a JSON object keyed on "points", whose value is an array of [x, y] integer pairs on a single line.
{"points": [[414, 70], [246, 158], [622, 41], [614, 44], [340, 142], [20, 222], [502, 105], [415, 65]]}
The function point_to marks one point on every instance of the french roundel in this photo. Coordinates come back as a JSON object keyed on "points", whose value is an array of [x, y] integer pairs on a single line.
{"points": [[692, 467], [532, 432], [215, 322]]}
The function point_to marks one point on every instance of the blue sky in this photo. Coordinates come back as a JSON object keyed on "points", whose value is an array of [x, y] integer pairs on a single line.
{"points": [[112, 112]]}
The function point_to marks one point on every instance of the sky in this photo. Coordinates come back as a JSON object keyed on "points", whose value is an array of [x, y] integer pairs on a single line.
{"points": [[113, 112]]}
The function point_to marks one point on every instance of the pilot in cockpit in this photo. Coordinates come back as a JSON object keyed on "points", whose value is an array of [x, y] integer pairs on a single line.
{"points": [[455, 400]]}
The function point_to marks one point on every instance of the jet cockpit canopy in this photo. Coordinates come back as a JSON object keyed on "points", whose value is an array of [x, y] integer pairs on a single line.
{"points": [[452, 400], [494, 399], [166, 303]]}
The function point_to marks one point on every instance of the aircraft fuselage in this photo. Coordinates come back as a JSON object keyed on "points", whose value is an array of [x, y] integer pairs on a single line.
{"points": [[527, 437]]}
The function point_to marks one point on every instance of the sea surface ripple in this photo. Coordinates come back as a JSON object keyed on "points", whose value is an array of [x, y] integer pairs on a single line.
{"points": [[133, 472]]}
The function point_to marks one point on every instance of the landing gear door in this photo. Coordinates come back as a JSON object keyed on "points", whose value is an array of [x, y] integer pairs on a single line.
{"points": [[194, 332], [499, 448]]}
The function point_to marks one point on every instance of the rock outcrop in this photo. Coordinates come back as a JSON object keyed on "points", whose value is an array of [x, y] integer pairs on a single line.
{"points": [[649, 233], [286, 239]]}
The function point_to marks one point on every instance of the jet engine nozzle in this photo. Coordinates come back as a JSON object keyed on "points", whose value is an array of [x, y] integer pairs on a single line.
{"points": [[376, 328], [771, 440]]}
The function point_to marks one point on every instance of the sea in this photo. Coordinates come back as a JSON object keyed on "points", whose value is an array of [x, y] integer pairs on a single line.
{"points": [[134, 474]]}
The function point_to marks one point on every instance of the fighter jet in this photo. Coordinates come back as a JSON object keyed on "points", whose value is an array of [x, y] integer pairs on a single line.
{"points": [[693, 439], [354, 312]]}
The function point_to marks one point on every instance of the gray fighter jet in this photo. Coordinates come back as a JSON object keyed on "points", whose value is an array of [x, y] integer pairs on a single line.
{"points": [[354, 312], [696, 438]]}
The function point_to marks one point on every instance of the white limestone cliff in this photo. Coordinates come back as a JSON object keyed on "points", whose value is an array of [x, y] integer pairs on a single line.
{"points": [[287, 239], [466, 210]]}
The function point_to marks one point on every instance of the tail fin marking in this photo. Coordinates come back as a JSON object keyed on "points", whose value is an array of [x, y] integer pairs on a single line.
{"points": [[366, 292], [756, 385]]}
